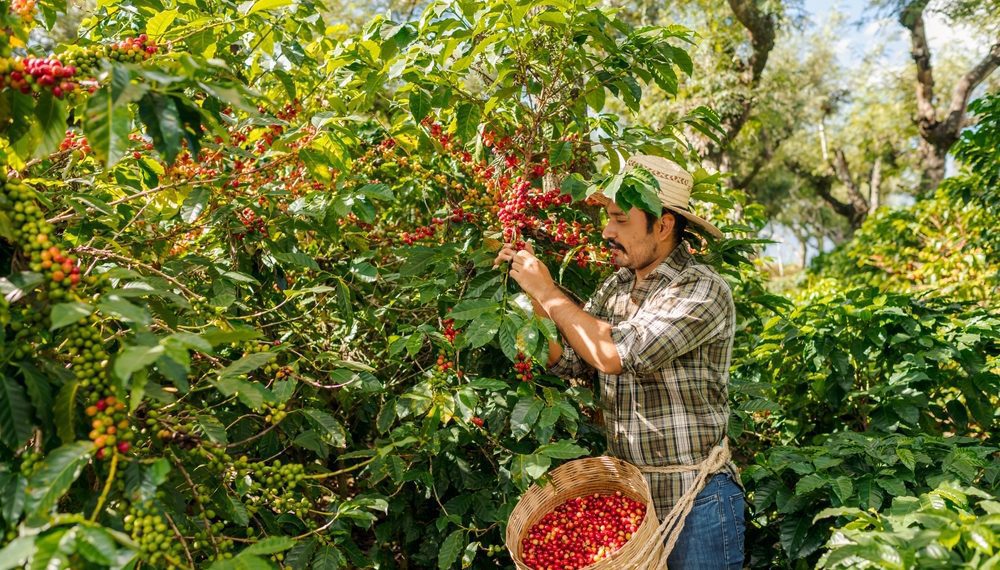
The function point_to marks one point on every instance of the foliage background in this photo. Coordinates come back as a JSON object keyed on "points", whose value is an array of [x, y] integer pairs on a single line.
{"points": [[285, 218]]}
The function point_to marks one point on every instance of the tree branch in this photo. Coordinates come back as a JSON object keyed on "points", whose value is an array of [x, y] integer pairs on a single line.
{"points": [[854, 210], [762, 29], [912, 18], [952, 125]]}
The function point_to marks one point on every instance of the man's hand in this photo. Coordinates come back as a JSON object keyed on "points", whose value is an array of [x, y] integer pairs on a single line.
{"points": [[529, 272]]}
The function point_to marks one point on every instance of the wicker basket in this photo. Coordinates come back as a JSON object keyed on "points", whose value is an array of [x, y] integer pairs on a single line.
{"points": [[603, 475]]}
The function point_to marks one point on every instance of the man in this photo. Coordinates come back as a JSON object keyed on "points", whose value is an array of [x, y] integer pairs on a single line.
{"points": [[659, 336]]}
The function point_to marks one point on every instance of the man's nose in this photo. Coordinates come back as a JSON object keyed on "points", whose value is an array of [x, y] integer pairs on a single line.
{"points": [[608, 232]]}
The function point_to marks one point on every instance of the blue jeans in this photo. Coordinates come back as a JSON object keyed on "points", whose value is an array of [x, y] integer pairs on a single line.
{"points": [[713, 531]]}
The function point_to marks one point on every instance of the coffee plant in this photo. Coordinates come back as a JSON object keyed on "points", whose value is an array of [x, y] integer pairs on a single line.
{"points": [[249, 315]]}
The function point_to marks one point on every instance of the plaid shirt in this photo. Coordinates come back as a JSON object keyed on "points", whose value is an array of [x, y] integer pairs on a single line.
{"points": [[674, 334]]}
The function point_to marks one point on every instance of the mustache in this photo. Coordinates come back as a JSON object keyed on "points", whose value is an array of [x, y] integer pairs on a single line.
{"points": [[612, 244]]}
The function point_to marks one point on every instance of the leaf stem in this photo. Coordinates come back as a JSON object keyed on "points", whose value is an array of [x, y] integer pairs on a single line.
{"points": [[107, 487]]}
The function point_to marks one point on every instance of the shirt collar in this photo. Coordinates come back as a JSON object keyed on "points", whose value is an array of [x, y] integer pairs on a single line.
{"points": [[669, 268]]}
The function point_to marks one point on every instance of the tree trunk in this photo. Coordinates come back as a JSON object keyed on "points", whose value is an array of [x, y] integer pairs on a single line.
{"points": [[932, 160], [762, 29], [875, 185]]}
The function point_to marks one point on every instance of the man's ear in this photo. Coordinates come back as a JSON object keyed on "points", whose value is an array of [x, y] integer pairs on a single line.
{"points": [[666, 225]]}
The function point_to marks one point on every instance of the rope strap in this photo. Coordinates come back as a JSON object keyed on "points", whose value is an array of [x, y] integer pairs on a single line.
{"points": [[672, 525]]}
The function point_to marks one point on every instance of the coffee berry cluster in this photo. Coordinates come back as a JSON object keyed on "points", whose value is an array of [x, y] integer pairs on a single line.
{"points": [[84, 59], [77, 143], [131, 50], [33, 234], [582, 531], [110, 427], [25, 9], [84, 345], [253, 223], [33, 75], [275, 414], [443, 364], [276, 486], [149, 529], [30, 462], [448, 330], [523, 367]]}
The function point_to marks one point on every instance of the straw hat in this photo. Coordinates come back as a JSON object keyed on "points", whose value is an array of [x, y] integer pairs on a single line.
{"points": [[675, 188]]}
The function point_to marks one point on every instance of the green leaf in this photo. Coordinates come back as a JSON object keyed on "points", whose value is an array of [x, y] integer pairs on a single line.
{"points": [[469, 554], [50, 117], [213, 428], [65, 314], [261, 5], [843, 487], [195, 203], [386, 416], [524, 415], [96, 545], [252, 394], [575, 186], [299, 556], [420, 104], [328, 558], [377, 191], [907, 458], [482, 330], [141, 481], [508, 337], [16, 422], [467, 118], [247, 364], [48, 551], [489, 384], [236, 511], [530, 467], [450, 549], [160, 23], [12, 497], [135, 358], [124, 310], [270, 545], [837, 512], [39, 392], [297, 259], [17, 552], [55, 475], [242, 562], [65, 412], [365, 271], [561, 153], [610, 187], [810, 483], [336, 435], [107, 122], [163, 123], [472, 308], [564, 449]]}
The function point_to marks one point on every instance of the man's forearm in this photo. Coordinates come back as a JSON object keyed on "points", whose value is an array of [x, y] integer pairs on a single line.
{"points": [[590, 337]]}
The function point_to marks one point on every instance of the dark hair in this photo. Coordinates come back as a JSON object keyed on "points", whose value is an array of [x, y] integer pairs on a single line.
{"points": [[680, 223]]}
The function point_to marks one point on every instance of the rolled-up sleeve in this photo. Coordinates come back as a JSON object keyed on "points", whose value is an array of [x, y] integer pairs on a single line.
{"points": [[694, 309], [570, 365]]}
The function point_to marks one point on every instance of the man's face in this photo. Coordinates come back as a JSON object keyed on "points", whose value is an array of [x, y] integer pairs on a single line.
{"points": [[628, 238]]}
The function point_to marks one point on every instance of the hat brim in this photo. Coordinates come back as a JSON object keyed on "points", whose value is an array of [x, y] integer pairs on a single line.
{"points": [[700, 222]]}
